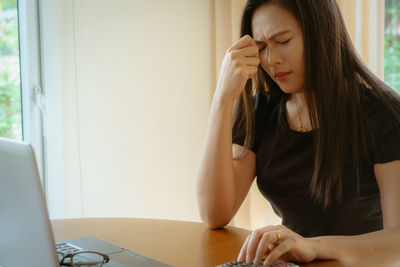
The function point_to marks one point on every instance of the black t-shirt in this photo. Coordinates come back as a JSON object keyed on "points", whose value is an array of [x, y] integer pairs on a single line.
{"points": [[284, 168]]}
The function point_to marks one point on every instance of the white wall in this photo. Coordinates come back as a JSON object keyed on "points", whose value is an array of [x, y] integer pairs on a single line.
{"points": [[135, 82]]}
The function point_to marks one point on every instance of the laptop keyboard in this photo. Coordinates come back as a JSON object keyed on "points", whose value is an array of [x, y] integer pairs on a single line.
{"points": [[66, 248], [244, 264]]}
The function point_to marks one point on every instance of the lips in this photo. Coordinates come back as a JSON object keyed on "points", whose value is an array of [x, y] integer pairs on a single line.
{"points": [[281, 76]]}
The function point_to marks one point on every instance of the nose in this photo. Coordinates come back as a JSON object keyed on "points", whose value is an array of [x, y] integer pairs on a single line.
{"points": [[273, 56]]}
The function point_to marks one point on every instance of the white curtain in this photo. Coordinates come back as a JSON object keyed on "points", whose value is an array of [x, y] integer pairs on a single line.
{"points": [[365, 22]]}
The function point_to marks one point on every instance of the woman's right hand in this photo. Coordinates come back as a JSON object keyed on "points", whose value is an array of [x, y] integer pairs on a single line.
{"points": [[239, 64]]}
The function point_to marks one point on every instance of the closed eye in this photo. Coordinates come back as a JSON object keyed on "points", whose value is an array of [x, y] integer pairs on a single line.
{"points": [[285, 42]]}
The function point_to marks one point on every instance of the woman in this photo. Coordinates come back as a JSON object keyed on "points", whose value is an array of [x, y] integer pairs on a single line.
{"points": [[318, 129]]}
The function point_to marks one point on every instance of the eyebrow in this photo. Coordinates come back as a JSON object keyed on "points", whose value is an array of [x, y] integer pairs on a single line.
{"points": [[274, 36]]}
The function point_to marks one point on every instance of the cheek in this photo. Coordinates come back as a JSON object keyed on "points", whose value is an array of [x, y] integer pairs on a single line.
{"points": [[297, 58]]}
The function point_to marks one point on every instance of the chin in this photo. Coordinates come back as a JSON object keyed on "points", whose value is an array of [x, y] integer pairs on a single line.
{"points": [[287, 89]]}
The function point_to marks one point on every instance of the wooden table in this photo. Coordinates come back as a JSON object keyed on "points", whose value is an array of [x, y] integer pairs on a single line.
{"points": [[174, 242]]}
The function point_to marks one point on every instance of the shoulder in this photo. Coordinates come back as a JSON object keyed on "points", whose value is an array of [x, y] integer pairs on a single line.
{"points": [[378, 114], [382, 123], [375, 107]]}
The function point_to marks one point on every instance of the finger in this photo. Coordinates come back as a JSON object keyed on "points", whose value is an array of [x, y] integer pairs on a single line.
{"points": [[252, 75], [244, 42], [251, 61], [242, 253], [243, 54], [252, 71], [278, 251], [264, 246], [250, 51], [247, 61], [247, 72], [255, 238], [271, 247], [252, 245]]}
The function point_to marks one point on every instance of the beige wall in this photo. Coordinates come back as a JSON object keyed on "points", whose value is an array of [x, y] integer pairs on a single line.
{"points": [[136, 79]]}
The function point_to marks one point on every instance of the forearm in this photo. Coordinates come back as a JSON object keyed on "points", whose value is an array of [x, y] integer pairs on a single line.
{"points": [[370, 247], [215, 188], [216, 179]]}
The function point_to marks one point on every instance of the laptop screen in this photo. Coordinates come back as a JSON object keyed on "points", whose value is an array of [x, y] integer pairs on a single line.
{"points": [[25, 233]]}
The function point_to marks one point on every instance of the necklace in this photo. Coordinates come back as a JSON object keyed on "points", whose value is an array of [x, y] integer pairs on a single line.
{"points": [[301, 127]]}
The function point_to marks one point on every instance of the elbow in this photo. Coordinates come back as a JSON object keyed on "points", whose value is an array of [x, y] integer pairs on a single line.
{"points": [[213, 216], [214, 225], [214, 222]]}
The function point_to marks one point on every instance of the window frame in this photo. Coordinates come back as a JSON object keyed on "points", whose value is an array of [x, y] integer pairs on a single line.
{"points": [[30, 71], [40, 94]]}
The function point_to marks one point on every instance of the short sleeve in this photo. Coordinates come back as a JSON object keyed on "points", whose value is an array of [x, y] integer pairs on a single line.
{"points": [[388, 146], [386, 130], [239, 132], [238, 136], [263, 104]]}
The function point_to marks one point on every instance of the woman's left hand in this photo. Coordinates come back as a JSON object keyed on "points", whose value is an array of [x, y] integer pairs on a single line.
{"points": [[276, 242]]}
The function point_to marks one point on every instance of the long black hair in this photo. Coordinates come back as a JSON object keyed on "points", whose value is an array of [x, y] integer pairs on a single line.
{"points": [[333, 75]]}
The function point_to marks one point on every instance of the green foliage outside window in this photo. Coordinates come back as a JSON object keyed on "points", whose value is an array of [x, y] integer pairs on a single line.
{"points": [[392, 43], [10, 92], [8, 4]]}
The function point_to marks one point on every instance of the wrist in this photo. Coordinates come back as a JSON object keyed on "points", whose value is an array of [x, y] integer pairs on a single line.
{"points": [[326, 248], [316, 246], [222, 99]]}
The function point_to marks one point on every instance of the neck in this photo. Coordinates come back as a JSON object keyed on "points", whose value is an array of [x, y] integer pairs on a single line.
{"points": [[299, 112], [299, 99]]}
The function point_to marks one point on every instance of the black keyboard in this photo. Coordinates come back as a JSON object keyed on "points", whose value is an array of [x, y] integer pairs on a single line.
{"points": [[245, 264]]}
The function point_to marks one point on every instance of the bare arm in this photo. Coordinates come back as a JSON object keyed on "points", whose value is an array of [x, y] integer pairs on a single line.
{"points": [[222, 182], [380, 248]]}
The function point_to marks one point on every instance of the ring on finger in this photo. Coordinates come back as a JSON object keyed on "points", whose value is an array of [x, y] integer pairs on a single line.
{"points": [[278, 234]]}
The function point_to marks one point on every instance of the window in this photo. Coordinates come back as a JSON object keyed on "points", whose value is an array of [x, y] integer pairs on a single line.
{"points": [[10, 89], [21, 107], [392, 44]]}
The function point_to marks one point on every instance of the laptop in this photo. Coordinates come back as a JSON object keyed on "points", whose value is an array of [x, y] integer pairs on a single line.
{"points": [[26, 237]]}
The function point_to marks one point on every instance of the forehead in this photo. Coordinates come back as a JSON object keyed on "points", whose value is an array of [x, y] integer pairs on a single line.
{"points": [[271, 18]]}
